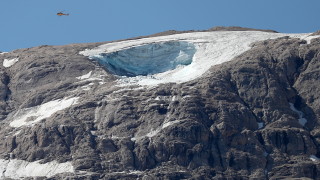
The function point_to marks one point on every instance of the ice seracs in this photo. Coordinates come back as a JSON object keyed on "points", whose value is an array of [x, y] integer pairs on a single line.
{"points": [[9, 62], [198, 51], [148, 59]]}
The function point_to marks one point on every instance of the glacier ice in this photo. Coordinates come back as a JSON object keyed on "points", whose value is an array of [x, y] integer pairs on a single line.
{"points": [[209, 48], [148, 59]]}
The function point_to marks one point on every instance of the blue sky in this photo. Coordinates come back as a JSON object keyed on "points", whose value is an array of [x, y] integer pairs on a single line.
{"points": [[29, 23]]}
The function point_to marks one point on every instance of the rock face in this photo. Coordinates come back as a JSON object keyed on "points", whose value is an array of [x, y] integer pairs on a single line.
{"points": [[255, 117]]}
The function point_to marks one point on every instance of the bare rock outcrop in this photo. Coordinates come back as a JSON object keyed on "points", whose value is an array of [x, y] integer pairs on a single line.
{"points": [[256, 117]]}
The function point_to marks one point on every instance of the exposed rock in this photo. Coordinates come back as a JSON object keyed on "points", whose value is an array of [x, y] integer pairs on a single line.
{"points": [[237, 28], [234, 122], [316, 33]]}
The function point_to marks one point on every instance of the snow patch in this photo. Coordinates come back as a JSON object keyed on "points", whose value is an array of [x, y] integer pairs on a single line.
{"points": [[90, 76], [211, 48], [3, 53], [17, 133], [308, 38], [10, 62], [87, 87], [86, 76], [260, 125], [170, 123], [135, 172], [153, 133], [20, 169], [30, 116], [301, 119], [314, 158], [156, 131]]}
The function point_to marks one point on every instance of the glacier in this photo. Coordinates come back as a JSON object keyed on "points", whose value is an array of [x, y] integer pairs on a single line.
{"points": [[175, 58], [144, 62], [148, 59]]}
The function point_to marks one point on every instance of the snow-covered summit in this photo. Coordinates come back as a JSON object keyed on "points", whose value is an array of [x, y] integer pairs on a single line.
{"points": [[175, 58]]}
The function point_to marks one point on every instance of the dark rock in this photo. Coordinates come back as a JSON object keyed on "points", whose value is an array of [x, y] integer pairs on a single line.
{"points": [[234, 122]]}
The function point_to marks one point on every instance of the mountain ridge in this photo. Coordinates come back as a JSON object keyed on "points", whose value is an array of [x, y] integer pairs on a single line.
{"points": [[239, 120]]}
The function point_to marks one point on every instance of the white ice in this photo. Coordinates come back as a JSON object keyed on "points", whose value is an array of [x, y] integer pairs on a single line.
{"points": [[212, 48], [17, 169], [9, 62], [301, 119], [314, 158], [30, 116]]}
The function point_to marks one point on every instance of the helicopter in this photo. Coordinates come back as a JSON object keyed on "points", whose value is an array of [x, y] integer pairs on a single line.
{"points": [[62, 14]]}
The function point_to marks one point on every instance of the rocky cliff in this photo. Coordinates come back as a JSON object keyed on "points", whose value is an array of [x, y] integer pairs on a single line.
{"points": [[65, 115]]}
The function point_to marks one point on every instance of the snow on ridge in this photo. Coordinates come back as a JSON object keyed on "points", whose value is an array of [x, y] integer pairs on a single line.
{"points": [[9, 62], [30, 116], [309, 37], [212, 48], [16, 169]]}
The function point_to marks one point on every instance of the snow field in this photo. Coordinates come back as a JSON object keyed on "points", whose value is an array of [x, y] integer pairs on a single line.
{"points": [[17, 169], [30, 116], [212, 48]]}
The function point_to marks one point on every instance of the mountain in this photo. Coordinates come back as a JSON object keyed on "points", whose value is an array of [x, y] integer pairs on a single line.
{"points": [[226, 103]]}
